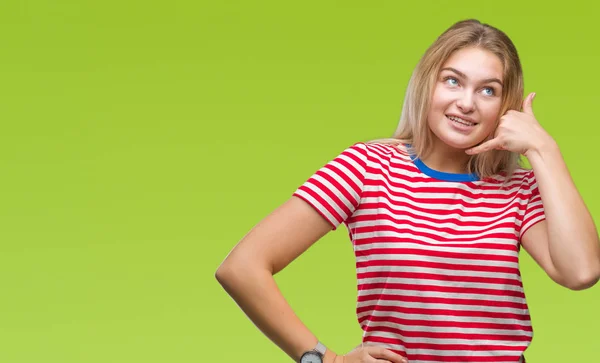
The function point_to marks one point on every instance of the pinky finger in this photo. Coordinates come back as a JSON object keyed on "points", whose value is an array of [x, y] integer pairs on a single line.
{"points": [[488, 145]]}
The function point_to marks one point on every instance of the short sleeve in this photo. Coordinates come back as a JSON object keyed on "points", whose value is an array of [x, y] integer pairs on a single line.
{"points": [[335, 189], [534, 211]]}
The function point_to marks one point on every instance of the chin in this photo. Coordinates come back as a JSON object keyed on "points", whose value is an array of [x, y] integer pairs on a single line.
{"points": [[459, 142]]}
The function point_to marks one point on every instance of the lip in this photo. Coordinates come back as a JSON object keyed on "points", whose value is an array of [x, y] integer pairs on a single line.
{"points": [[463, 129], [463, 117]]}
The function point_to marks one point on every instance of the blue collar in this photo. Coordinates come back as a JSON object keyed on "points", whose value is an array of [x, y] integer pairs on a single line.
{"points": [[440, 175]]}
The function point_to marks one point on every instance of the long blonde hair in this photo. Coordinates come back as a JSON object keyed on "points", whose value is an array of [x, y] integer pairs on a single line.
{"points": [[413, 128]]}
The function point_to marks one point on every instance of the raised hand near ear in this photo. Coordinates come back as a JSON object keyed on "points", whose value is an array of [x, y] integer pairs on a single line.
{"points": [[517, 132]]}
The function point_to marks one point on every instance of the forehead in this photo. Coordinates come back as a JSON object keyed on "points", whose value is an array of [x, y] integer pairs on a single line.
{"points": [[476, 63]]}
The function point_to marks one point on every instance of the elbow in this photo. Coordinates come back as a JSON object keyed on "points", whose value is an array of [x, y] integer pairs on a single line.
{"points": [[233, 271], [584, 274], [230, 267], [220, 274], [585, 280], [228, 276], [225, 273]]}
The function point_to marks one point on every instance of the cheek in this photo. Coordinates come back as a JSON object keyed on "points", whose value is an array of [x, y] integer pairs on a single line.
{"points": [[490, 118], [490, 113], [440, 99]]}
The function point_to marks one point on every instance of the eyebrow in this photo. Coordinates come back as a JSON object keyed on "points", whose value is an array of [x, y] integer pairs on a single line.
{"points": [[489, 80]]}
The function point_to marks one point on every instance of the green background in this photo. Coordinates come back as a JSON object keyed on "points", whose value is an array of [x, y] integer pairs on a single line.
{"points": [[141, 141]]}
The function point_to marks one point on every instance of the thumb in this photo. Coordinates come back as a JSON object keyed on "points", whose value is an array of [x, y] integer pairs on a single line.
{"points": [[528, 104]]}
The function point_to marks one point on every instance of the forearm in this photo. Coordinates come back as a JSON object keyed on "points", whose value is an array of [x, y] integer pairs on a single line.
{"points": [[572, 236], [257, 294]]}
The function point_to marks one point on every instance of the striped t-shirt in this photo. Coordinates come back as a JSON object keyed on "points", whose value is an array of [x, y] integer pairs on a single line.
{"points": [[437, 254]]}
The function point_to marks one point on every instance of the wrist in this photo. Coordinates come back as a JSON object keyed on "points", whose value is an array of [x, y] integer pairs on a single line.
{"points": [[330, 357], [320, 353], [543, 147]]}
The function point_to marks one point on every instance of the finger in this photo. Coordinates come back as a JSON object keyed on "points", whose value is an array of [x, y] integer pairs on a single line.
{"points": [[528, 104], [386, 354], [495, 143]]}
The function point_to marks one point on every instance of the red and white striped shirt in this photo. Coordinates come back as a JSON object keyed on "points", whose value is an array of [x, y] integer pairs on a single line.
{"points": [[437, 254]]}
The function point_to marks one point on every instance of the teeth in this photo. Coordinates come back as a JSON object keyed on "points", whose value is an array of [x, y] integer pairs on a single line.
{"points": [[461, 121]]}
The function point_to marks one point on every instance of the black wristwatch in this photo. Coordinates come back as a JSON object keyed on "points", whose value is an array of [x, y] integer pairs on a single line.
{"points": [[314, 356]]}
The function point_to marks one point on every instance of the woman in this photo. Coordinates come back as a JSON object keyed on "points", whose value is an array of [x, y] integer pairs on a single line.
{"points": [[437, 216]]}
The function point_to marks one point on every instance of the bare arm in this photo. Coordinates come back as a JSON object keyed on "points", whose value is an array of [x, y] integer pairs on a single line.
{"points": [[566, 245], [247, 273]]}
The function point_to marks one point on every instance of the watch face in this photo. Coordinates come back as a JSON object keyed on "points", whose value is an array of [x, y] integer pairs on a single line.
{"points": [[311, 357]]}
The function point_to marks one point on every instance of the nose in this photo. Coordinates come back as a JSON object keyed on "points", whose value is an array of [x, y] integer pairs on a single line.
{"points": [[465, 102]]}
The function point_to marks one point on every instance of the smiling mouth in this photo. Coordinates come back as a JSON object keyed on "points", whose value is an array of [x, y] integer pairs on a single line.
{"points": [[459, 120]]}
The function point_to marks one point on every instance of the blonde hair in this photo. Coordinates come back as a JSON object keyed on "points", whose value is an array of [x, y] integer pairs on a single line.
{"points": [[413, 128]]}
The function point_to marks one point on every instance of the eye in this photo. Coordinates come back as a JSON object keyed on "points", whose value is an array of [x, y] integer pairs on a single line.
{"points": [[451, 81], [491, 91]]}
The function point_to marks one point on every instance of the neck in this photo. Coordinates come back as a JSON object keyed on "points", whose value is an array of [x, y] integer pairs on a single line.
{"points": [[446, 159]]}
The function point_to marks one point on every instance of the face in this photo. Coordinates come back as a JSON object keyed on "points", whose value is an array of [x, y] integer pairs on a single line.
{"points": [[466, 99]]}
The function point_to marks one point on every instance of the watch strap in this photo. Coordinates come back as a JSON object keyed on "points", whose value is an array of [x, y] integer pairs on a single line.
{"points": [[320, 348]]}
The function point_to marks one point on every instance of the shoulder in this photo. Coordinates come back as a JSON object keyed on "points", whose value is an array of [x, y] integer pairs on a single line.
{"points": [[375, 157], [522, 179], [526, 177], [385, 150]]}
